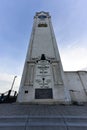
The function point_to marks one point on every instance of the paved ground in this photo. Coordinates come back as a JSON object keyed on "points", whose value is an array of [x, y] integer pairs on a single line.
{"points": [[26, 109], [42, 117]]}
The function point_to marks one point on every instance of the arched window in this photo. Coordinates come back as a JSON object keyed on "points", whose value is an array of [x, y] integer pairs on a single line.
{"points": [[42, 17], [42, 25]]}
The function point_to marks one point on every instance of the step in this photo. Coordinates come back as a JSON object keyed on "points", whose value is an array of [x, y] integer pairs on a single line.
{"points": [[43, 122], [59, 119]]}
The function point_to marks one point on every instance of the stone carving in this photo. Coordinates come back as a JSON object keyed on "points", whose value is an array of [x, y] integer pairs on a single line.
{"points": [[29, 74], [43, 75]]}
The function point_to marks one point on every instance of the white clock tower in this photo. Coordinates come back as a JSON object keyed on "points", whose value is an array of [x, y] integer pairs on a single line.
{"points": [[43, 79]]}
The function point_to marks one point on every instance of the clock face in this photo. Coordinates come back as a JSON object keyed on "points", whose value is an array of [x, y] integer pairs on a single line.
{"points": [[42, 17]]}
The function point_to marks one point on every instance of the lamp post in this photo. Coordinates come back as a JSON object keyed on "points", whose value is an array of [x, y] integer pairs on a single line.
{"points": [[13, 82], [9, 92]]}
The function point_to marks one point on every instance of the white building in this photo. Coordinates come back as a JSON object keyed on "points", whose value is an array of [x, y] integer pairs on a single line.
{"points": [[43, 79]]}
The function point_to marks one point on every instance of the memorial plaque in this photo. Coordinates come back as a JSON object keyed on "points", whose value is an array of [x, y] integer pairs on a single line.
{"points": [[43, 93], [43, 78]]}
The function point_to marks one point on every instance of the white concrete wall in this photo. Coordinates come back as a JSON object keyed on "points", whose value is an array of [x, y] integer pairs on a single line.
{"points": [[42, 40], [77, 85]]}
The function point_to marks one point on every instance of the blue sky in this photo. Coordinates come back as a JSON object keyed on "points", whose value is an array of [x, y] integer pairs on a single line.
{"points": [[69, 19]]}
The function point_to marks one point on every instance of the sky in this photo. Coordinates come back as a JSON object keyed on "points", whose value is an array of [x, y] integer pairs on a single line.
{"points": [[69, 20]]}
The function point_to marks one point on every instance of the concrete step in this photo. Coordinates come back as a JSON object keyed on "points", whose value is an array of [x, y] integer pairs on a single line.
{"points": [[43, 122]]}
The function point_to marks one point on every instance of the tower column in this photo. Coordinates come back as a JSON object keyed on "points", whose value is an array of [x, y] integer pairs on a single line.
{"points": [[43, 78]]}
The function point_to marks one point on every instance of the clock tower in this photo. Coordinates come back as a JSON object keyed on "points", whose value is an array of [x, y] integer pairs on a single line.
{"points": [[43, 79]]}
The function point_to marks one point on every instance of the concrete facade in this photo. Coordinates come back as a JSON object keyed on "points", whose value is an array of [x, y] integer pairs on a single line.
{"points": [[43, 79], [77, 85]]}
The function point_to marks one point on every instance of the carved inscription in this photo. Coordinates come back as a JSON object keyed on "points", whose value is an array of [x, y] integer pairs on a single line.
{"points": [[43, 93], [43, 75]]}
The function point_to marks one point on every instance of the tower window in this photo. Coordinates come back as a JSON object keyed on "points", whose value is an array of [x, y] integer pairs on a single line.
{"points": [[43, 57], [26, 91], [42, 17], [42, 25]]}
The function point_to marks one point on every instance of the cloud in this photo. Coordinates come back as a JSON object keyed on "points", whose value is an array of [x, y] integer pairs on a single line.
{"points": [[6, 82], [74, 56]]}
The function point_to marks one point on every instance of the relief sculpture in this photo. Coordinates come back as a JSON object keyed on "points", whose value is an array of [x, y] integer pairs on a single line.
{"points": [[29, 74]]}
